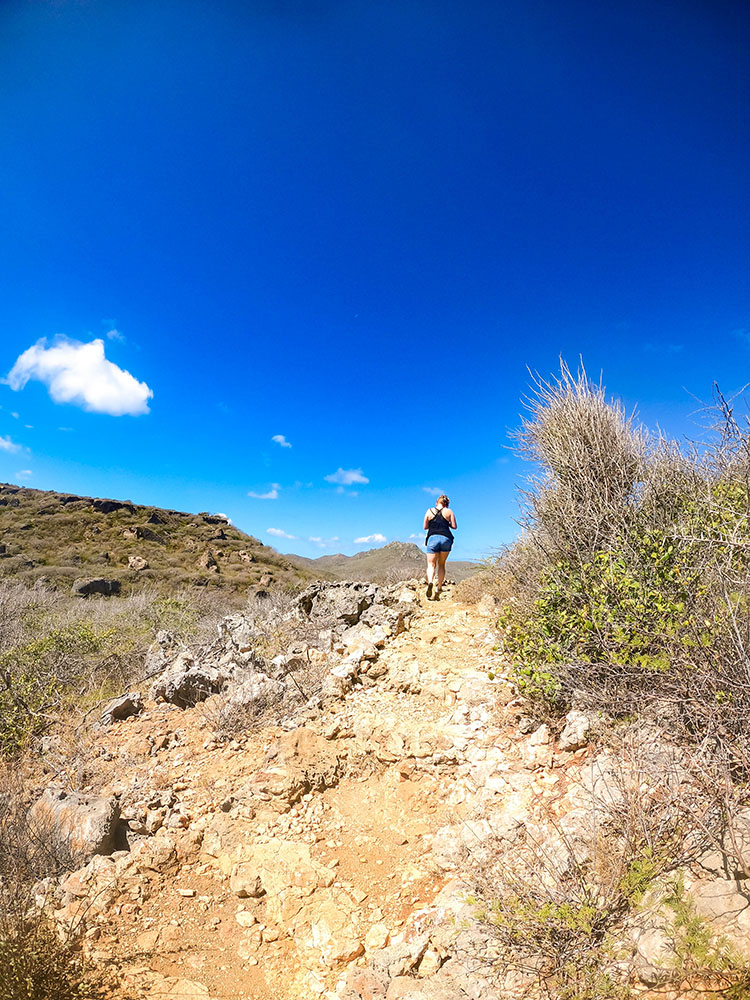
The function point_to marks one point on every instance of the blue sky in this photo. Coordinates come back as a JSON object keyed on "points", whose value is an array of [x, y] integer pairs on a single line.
{"points": [[355, 225]]}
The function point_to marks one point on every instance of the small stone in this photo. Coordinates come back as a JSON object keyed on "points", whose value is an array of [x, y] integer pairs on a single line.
{"points": [[187, 893], [376, 938], [429, 964]]}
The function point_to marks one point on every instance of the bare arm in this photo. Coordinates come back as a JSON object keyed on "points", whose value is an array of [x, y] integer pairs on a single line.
{"points": [[427, 518], [451, 518]]}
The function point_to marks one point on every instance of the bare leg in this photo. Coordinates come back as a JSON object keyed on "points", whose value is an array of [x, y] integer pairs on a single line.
{"points": [[442, 558], [432, 558]]}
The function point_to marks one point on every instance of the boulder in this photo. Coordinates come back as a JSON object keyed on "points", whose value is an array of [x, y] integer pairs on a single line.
{"points": [[85, 588], [655, 955], [186, 682], [576, 731], [206, 561], [109, 506], [333, 934], [257, 693], [339, 603], [137, 563], [86, 823], [238, 633], [122, 708], [363, 636]]}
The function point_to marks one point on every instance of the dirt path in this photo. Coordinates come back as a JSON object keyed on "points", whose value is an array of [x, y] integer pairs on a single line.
{"points": [[247, 897]]}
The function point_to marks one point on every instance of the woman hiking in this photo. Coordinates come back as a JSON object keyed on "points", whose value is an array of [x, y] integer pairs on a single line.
{"points": [[438, 521]]}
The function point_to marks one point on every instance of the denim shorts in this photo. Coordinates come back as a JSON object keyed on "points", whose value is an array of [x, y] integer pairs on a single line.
{"points": [[439, 543]]}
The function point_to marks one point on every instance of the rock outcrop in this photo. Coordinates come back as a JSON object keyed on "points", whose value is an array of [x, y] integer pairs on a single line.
{"points": [[100, 585]]}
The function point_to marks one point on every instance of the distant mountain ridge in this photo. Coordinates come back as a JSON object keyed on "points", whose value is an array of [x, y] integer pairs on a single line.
{"points": [[396, 560]]}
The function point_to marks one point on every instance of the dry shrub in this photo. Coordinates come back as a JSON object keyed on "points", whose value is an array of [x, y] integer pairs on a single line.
{"points": [[37, 964], [38, 960], [60, 654], [560, 898], [590, 457], [634, 590]]}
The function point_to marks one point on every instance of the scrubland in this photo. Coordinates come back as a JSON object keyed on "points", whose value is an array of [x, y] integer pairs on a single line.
{"points": [[626, 597]]}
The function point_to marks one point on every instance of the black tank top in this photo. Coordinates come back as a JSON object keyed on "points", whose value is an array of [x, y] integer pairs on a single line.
{"points": [[438, 525]]}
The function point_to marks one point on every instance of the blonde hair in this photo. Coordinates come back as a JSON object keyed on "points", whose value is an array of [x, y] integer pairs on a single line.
{"points": [[443, 500]]}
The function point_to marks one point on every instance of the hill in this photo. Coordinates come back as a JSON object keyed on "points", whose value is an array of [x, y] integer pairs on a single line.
{"points": [[395, 561], [62, 537]]}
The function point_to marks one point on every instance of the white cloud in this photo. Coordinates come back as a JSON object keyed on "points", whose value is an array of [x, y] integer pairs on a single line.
{"points": [[345, 477], [115, 334], [369, 539], [281, 440], [272, 494], [24, 474], [414, 536], [6, 444], [435, 490], [278, 533], [322, 542], [14, 415], [80, 374]]}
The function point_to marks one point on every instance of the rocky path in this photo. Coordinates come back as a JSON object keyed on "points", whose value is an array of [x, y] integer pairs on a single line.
{"points": [[326, 857], [285, 863]]}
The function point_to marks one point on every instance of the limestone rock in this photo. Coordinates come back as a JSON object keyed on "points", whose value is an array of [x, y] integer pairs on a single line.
{"points": [[245, 881], [576, 731], [86, 823], [162, 651], [187, 682], [341, 602], [364, 984], [138, 563], [333, 934], [452, 845], [122, 708], [207, 562], [257, 692], [655, 955], [299, 762]]}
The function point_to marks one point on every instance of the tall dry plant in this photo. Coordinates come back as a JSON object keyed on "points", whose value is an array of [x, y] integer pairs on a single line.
{"points": [[589, 457]]}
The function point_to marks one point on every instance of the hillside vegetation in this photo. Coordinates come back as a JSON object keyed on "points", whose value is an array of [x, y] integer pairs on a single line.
{"points": [[59, 538]]}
